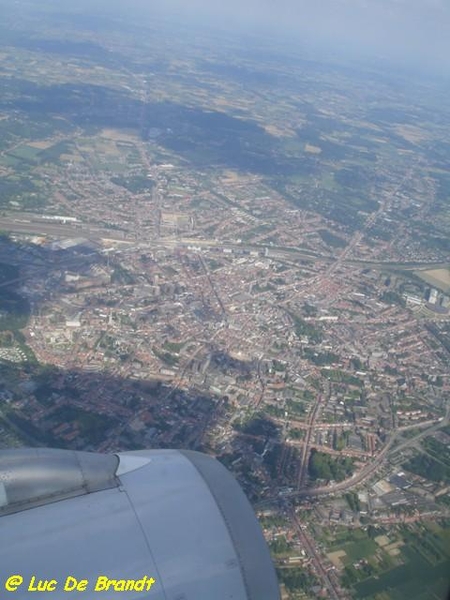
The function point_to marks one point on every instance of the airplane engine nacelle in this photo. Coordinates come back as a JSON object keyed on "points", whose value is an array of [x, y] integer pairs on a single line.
{"points": [[153, 525]]}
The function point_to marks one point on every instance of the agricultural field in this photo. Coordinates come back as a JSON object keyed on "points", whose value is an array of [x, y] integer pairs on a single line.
{"points": [[405, 561]]}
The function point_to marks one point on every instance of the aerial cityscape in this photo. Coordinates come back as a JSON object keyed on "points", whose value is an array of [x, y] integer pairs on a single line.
{"points": [[224, 243]]}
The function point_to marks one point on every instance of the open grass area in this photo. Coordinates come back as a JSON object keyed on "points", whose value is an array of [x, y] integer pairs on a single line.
{"points": [[416, 579], [438, 278], [358, 550], [419, 572]]}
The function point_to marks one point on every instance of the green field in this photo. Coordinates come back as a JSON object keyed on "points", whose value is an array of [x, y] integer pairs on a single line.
{"points": [[415, 580], [357, 550], [423, 574]]}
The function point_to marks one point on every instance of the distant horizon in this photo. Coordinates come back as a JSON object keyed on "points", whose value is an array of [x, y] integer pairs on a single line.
{"points": [[393, 34], [410, 34]]}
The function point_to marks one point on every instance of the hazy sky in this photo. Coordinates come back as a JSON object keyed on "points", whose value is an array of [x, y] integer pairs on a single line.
{"points": [[412, 30]]}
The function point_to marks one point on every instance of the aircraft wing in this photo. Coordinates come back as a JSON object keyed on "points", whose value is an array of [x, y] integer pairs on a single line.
{"points": [[174, 523]]}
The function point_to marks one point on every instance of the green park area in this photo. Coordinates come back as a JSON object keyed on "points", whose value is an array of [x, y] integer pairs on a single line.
{"points": [[323, 466]]}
